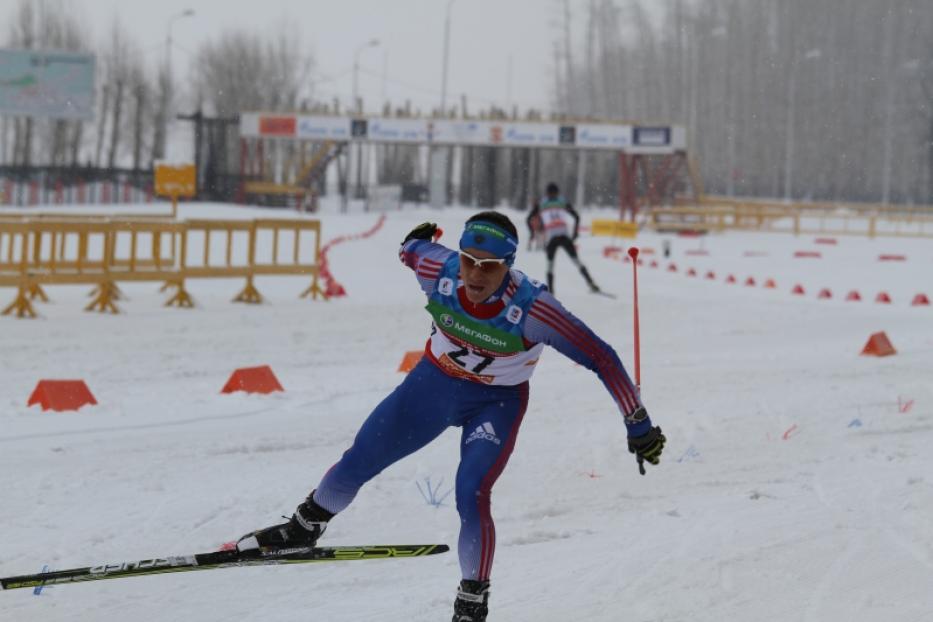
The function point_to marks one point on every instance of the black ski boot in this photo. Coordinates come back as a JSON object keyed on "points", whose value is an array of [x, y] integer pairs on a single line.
{"points": [[472, 604], [304, 528]]}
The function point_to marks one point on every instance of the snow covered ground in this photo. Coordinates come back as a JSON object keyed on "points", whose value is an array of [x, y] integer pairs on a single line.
{"points": [[792, 487]]}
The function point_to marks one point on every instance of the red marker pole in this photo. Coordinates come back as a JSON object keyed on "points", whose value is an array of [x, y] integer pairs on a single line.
{"points": [[633, 253]]}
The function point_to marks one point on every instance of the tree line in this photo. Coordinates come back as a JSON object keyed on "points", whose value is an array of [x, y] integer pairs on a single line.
{"points": [[803, 99]]}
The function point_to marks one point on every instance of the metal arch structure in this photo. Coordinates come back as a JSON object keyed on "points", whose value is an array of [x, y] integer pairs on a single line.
{"points": [[288, 153]]}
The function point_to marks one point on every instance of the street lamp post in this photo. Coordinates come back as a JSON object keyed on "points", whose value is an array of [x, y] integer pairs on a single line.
{"points": [[161, 130], [446, 58], [168, 39], [358, 109], [437, 159], [356, 70]]}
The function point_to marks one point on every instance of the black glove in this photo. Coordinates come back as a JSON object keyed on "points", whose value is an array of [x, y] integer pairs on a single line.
{"points": [[424, 231], [648, 447]]}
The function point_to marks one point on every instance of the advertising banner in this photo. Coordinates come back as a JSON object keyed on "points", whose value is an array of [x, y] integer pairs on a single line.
{"points": [[56, 85], [323, 128], [604, 136], [398, 130]]}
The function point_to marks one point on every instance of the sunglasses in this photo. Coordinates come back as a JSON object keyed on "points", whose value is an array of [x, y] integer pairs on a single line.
{"points": [[487, 265]]}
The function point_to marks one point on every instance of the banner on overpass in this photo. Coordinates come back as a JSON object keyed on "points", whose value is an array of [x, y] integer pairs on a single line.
{"points": [[603, 136]]}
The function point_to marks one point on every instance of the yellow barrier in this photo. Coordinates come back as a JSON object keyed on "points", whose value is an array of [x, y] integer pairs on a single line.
{"points": [[800, 218], [614, 228], [101, 253]]}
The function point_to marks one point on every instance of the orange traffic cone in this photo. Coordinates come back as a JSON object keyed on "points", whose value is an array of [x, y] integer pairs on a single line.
{"points": [[410, 360], [253, 380], [59, 395], [878, 345]]}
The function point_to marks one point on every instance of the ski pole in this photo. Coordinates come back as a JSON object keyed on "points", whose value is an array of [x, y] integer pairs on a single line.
{"points": [[633, 253]]}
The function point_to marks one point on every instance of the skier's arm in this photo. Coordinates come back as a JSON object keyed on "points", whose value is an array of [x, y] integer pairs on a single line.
{"points": [[576, 220], [426, 259], [550, 323]]}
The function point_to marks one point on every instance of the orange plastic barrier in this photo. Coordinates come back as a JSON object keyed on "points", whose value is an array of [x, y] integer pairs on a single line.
{"points": [[920, 300], [853, 296], [59, 395], [253, 380]]}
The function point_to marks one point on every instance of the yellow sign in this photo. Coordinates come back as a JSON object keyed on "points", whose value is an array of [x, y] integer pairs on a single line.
{"points": [[176, 181], [614, 228]]}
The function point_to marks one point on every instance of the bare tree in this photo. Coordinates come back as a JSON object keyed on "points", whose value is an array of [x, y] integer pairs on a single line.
{"points": [[242, 70], [118, 75]]}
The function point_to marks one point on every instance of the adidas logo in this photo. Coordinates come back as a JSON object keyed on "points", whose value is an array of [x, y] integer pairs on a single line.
{"points": [[484, 432]]}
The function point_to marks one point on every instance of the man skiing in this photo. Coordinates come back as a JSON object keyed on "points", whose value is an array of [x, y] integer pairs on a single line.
{"points": [[554, 213], [490, 324]]}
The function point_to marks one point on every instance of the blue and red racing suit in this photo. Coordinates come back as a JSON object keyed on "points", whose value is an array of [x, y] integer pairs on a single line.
{"points": [[474, 375]]}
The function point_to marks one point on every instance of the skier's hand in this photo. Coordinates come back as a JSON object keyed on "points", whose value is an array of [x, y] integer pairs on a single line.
{"points": [[647, 447], [424, 231]]}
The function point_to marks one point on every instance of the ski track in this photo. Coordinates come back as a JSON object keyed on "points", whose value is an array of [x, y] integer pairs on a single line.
{"points": [[737, 523]]}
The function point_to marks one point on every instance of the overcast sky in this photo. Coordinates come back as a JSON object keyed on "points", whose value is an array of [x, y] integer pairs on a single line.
{"points": [[485, 35]]}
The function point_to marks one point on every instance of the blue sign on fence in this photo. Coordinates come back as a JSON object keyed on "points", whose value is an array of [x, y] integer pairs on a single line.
{"points": [[58, 85]]}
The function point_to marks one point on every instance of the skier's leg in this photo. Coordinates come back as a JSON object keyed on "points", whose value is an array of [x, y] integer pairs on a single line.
{"points": [[568, 246], [408, 419], [551, 251], [486, 444]]}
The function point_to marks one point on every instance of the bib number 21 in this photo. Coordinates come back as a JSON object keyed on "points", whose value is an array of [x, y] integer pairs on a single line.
{"points": [[456, 356]]}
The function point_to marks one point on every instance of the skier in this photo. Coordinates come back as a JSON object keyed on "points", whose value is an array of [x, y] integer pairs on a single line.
{"points": [[490, 324], [554, 212]]}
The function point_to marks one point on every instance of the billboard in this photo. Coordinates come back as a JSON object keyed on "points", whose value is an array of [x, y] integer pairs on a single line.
{"points": [[56, 85]]}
